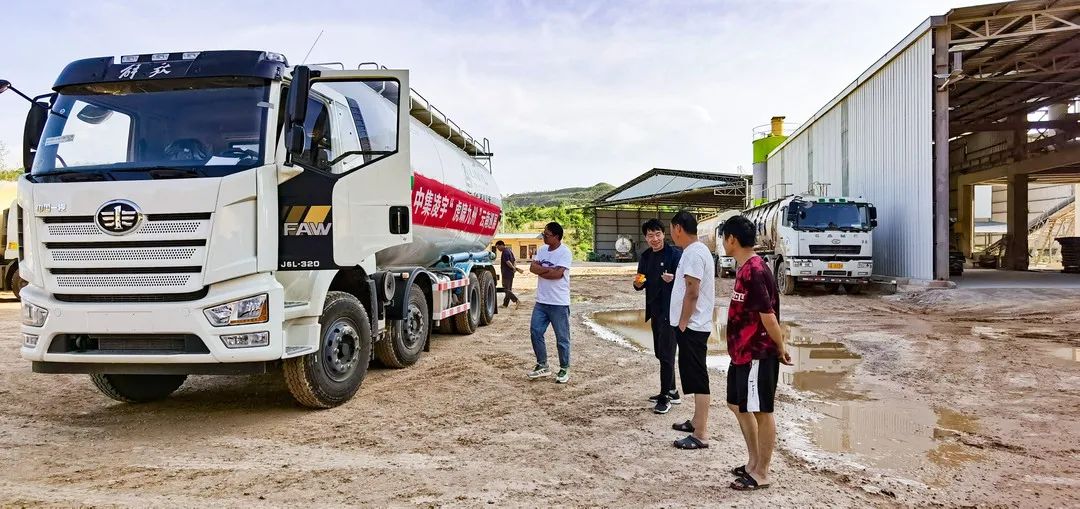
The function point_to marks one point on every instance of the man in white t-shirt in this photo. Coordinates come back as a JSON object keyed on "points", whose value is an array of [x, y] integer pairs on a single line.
{"points": [[552, 265], [691, 315]]}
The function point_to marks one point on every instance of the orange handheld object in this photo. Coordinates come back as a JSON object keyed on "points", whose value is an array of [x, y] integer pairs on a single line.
{"points": [[640, 278]]}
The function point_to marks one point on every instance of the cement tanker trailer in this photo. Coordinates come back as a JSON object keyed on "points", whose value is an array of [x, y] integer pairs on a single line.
{"points": [[711, 233], [220, 212]]}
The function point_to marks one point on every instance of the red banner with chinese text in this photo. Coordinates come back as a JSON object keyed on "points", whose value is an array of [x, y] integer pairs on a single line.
{"points": [[437, 205]]}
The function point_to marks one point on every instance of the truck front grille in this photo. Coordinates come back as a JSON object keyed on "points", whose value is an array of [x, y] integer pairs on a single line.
{"points": [[841, 250], [140, 281], [165, 255], [127, 344]]}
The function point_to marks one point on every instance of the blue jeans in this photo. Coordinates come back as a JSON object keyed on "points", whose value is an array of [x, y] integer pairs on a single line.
{"points": [[559, 318]]}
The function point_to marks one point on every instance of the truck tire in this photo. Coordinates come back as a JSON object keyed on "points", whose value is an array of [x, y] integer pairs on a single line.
{"points": [[853, 289], [467, 322], [489, 297], [332, 375], [785, 284], [408, 337], [137, 388]]}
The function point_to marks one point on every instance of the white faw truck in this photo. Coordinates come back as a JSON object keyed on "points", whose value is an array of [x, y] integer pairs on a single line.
{"points": [[816, 239], [219, 212]]}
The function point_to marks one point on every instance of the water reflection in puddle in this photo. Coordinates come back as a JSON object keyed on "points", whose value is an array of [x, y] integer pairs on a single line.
{"points": [[882, 426]]}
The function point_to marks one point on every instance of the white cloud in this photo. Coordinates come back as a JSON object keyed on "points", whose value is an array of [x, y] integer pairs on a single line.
{"points": [[569, 93]]}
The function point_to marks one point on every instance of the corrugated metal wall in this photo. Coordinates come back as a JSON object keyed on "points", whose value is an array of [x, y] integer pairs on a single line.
{"points": [[877, 142]]}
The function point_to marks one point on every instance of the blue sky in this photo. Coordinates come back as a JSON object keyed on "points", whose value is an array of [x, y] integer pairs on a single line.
{"points": [[570, 93]]}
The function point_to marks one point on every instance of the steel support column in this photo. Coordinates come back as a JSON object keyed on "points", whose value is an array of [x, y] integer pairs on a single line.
{"points": [[1016, 250], [941, 157]]}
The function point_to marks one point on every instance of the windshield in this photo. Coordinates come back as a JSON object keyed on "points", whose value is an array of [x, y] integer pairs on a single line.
{"points": [[831, 216], [154, 129]]}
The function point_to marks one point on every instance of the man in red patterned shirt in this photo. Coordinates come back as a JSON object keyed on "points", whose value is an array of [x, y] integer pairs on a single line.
{"points": [[756, 345]]}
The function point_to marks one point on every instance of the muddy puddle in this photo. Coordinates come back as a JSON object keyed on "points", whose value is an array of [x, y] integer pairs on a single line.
{"points": [[1068, 353], [881, 426]]}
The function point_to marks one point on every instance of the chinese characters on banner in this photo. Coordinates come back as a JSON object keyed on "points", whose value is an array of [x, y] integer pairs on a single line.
{"points": [[438, 205]]}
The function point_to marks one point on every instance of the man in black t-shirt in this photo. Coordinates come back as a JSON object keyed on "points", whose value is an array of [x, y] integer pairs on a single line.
{"points": [[508, 268], [656, 274]]}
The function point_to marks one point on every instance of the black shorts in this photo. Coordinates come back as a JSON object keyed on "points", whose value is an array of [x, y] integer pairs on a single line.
{"points": [[752, 386], [693, 372]]}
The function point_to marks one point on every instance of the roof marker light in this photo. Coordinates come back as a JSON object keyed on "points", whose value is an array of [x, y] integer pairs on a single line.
{"points": [[158, 57], [275, 57], [190, 55], [128, 59]]}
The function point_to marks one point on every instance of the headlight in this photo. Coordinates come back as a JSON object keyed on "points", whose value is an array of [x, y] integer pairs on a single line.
{"points": [[802, 263], [241, 312], [865, 265], [32, 315]]}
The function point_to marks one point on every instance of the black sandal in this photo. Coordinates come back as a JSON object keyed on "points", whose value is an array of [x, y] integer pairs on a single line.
{"points": [[747, 483], [690, 442], [739, 471], [685, 427]]}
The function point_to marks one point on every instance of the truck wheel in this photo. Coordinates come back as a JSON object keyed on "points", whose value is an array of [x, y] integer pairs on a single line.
{"points": [[488, 296], [332, 375], [467, 322], [853, 289], [408, 337], [138, 388], [785, 284], [17, 284]]}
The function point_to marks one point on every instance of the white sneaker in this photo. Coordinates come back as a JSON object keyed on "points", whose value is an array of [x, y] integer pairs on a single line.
{"points": [[563, 376], [539, 371]]}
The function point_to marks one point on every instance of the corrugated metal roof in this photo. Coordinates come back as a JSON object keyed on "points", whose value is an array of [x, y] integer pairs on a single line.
{"points": [[680, 187]]}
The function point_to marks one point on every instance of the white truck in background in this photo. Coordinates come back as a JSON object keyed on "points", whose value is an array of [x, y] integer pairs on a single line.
{"points": [[816, 239], [220, 212]]}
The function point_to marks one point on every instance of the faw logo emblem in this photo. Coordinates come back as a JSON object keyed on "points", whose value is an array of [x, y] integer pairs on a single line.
{"points": [[118, 217], [306, 220]]}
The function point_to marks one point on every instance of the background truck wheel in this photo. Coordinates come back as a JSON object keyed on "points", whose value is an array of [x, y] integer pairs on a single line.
{"points": [[488, 296], [853, 289], [14, 281], [332, 375], [785, 284], [467, 322], [138, 388], [409, 336], [832, 287]]}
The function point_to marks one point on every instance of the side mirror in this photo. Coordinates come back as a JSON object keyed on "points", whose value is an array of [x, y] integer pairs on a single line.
{"points": [[35, 125], [94, 114], [296, 110], [872, 211]]}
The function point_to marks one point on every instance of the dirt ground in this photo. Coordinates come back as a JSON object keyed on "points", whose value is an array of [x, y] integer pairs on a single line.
{"points": [[993, 373]]}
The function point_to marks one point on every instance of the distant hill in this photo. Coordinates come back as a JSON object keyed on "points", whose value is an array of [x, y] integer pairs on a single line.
{"points": [[557, 197]]}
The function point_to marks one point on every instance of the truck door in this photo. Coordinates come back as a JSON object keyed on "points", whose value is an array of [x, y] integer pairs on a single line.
{"points": [[353, 196]]}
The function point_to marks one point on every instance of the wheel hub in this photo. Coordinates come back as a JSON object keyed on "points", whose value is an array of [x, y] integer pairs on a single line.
{"points": [[341, 349], [414, 327]]}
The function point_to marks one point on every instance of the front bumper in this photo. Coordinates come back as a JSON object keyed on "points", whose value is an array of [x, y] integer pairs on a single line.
{"points": [[831, 271], [152, 319]]}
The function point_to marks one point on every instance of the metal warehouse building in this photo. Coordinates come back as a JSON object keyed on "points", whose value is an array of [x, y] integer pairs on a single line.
{"points": [[660, 193], [980, 95]]}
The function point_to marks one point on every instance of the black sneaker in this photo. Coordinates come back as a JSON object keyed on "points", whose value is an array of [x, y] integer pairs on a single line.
{"points": [[673, 398], [663, 406]]}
